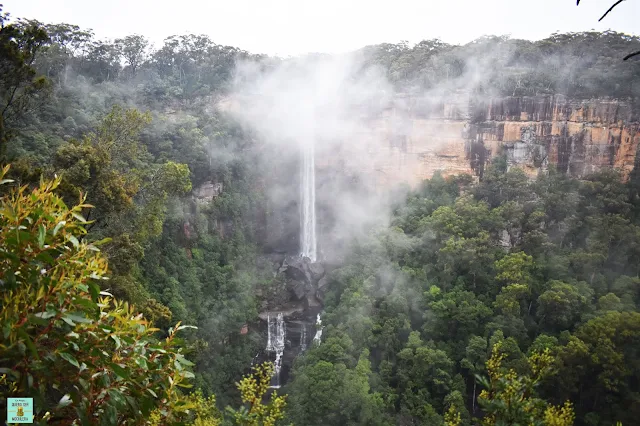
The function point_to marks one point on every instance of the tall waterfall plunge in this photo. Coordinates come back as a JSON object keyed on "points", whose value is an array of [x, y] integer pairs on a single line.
{"points": [[308, 244]]}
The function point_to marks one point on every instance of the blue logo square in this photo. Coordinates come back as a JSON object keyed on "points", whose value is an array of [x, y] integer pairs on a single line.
{"points": [[19, 410]]}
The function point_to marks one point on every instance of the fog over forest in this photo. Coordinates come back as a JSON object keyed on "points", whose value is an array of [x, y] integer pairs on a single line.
{"points": [[404, 234]]}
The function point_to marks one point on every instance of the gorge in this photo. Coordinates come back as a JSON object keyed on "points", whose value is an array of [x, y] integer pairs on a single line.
{"points": [[408, 141]]}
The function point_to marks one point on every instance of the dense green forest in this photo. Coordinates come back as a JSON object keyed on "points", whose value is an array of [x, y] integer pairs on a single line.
{"points": [[417, 310], [510, 301]]}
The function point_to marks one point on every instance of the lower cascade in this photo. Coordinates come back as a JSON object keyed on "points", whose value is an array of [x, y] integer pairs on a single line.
{"points": [[276, 334], [318, 336], [289, 321], [303, 338]]}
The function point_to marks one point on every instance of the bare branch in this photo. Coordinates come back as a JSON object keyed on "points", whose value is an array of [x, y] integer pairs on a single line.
{"points": [[631, 55], [610, 9]]}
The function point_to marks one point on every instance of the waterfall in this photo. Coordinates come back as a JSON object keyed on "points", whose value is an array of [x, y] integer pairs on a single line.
{"points": [[308, 244], [318, 335], [275, 343], [269, 347], [303, 338]]}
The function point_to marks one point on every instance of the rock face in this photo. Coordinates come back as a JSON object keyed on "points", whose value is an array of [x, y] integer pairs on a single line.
{"points": [[323, 285], [298, 299], [413, 138], [578, 137], [206, 192]]}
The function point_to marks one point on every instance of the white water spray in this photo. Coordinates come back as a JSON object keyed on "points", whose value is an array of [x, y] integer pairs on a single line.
{"points": [[269, 343], [275, 343], [308, 243], [317, 338]]}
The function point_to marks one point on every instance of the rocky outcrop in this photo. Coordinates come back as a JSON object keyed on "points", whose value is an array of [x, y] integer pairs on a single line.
{"points": [[323, 286], [207, 191], [298, 298], [296, 268]]}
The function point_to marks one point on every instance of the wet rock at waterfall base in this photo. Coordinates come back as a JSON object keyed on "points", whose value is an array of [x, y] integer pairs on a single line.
{"points": [[322, 288], [291, 311], [292, 299], [297, 268], [317, 271], [297, 288], [312, 303]]}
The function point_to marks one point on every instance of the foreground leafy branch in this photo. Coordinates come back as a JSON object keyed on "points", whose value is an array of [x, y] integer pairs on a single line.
{"points": [[81, 355], [85, 357]]}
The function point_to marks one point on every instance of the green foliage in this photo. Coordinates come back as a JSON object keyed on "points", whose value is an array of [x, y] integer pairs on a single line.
{"points": [[503, 265], [20, 87], [509, 399], [583, 65], [514, 269], [79, 353], [452, 417], [130, 194], [82, 355], [604, 353], [253, 389], [133, 49], [104, 163], [561, 305], [202, 411], [425, 376]]}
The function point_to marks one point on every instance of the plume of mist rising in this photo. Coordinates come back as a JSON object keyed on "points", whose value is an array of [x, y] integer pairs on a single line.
{"points": [[324, 102], [351, 113]]}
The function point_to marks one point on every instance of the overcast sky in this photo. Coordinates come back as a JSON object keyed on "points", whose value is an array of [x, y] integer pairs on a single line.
{"points": [[291, 27]]}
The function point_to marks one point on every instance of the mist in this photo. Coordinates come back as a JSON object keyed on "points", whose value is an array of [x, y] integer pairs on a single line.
{"points": [[348, 111], [356, 119]]}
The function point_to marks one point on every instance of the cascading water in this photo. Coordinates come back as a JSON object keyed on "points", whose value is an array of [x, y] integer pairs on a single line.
{"points": [[269, 347], [308, 243], [318, 336], [275, 343], [303, 338]]}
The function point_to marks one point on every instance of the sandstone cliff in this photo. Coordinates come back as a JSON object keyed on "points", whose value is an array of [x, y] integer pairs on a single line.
{"points": [[413, 137]]}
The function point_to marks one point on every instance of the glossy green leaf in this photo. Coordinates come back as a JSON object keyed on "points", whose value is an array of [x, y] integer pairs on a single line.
{"points": [[70, 359], [119, 371], [59, 225], [74, 241], [42, 232]]}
